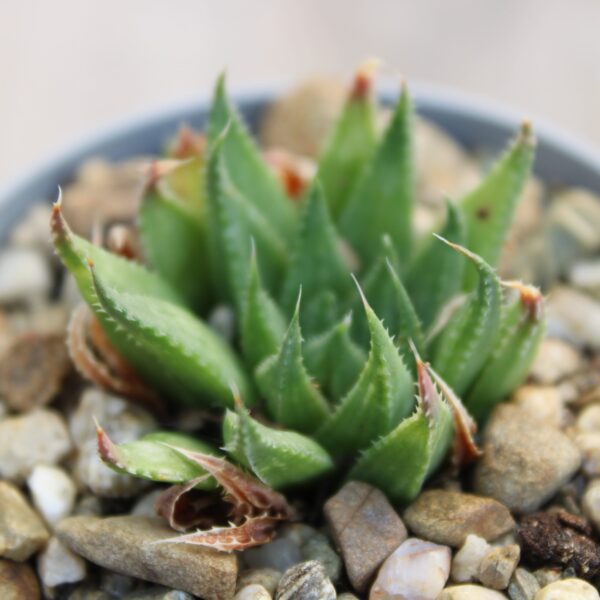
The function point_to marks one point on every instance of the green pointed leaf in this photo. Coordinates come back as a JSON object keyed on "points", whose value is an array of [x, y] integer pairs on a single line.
{"points": [[522, 328], [436, 273], [490, 207], [235, 225], [278, 458], [184, 358], [378, 401], [174, 241], [400, 462], [383, 199], [150, 458], [292, 398], [391, 302], [465, 343], [350, 144], [317, 264], [335, 359], [262, 325], [248, 172]]}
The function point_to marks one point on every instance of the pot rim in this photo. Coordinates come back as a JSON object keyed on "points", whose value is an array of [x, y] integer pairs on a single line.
{"points": [[562, 157]]}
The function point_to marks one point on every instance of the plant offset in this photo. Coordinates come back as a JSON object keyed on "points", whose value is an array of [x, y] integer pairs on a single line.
{"points": [[340, 314]]}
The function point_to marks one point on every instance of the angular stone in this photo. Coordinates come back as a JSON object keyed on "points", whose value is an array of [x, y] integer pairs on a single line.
{"points": [[22, 532], [365, 528], [30, 439], [308, 581], [523, 585], [25, 275], [18, 581], [568, 589], [53, 492], [470, 592], [498, 565], [32, 370], [465, 564], [447, 517], [58, 565], [523, 466], [127, 545], [416, 570]]}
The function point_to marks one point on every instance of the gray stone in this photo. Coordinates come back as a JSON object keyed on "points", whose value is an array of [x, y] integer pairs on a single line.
{"points": [[523, 585], [568, 589], [365, 528], [22, 532], [318, 548], [128, 545], [281, 554], [523, 466], [18, 581], [57, 565], [253, 592], [447, 517], [38, 437], [416, 570], [498, 565], [306, 581], [158, 593], [574, 316]]}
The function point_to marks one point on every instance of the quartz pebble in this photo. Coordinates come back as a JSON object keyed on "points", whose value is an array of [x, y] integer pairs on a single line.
{"points": [[447, 517], [53, 492], [38, 437], [523, 466], [24, 275], [590, 502], [18, 581], [58, 565], [306, 581], [22, 532], [470, 592], [523, 585], [588, 443], [267, 578], [128, 545], [253, 592], [465, 564], [498, 565], [365, 528], [555, 360], [568, 589], [416, 569]]}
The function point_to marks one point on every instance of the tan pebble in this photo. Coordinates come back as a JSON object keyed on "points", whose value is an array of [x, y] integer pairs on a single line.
{"points": [[253, 592], [555, 360], [465, 564], [543, 403], [267, 578], [498, 565], [18, 581], [588, 419], [470, 592], [568, 589]]}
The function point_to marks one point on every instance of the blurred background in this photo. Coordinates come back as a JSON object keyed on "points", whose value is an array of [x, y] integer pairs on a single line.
{"points": [[69, 67]]}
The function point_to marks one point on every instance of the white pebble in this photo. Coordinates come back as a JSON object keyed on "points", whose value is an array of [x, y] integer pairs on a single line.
{"points": [[590, 502], [24, 275], [470, 592], [253, 592], [416, 570], [58, 565], [53, 492], [568, 589], [465, 564]]}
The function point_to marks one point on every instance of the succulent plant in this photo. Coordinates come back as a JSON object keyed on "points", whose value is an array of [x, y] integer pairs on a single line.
{"points": [[313, 373]]}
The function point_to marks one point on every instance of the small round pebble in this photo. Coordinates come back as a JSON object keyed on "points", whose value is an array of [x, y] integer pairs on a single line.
{"points": [[568, 589], [590, 502], [319, 548], [267, 578], [470, 592], [306, 581], [53, 492], [253, 592]]}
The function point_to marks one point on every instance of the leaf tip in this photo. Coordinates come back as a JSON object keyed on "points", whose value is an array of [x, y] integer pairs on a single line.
{"points": [[530, 296], [362, 85]]}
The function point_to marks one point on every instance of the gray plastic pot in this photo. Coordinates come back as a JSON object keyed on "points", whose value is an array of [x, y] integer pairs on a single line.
{"points": [[561, 158]]}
